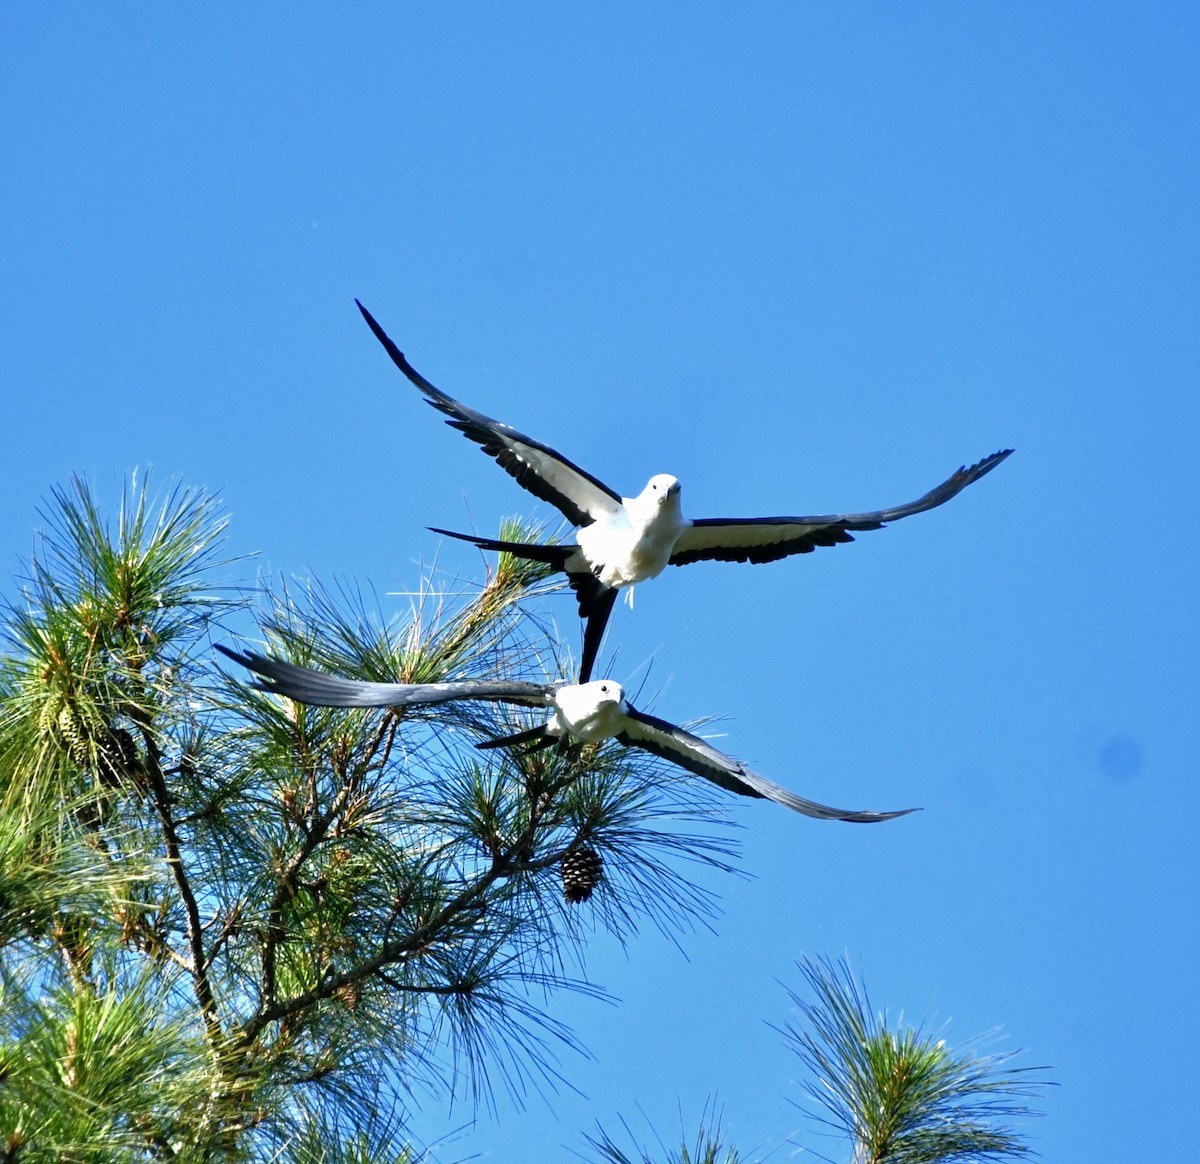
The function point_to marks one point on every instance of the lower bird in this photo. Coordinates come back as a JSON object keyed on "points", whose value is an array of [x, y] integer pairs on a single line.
{"points": [[626, 540], [587, 712]]}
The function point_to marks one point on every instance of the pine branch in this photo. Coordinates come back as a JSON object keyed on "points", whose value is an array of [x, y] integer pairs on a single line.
{"points": [[903, 1096], [515, 858], [198, 965], [375, 755]]}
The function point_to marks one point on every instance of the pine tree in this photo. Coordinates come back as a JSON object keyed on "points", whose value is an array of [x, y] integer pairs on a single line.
{"points": [[896, 1093], [237, 928], [899, 1093], [707, 1146]]}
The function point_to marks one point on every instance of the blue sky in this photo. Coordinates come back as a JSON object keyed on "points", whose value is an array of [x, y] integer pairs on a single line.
{"points": [[808, 258]]}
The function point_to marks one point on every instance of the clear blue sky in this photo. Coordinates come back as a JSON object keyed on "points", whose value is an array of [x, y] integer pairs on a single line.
{"points": [[805, 257]]}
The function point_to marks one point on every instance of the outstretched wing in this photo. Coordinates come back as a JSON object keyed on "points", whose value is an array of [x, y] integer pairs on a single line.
{"points": [[547, 474], [690, 752], [766, 539], [308, 686]]}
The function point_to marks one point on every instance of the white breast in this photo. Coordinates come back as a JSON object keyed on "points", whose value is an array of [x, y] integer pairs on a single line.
{"points": [[635, 543]]}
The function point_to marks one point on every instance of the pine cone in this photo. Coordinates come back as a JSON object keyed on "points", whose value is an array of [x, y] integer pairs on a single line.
{"points": [[117, 759], [581, 869], [77, 733], [349, 995], [48, 716]]}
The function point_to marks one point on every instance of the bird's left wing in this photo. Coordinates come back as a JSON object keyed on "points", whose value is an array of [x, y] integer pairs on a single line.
{"points": [[690, 752], [766, 539], [308, 686], [546, 473]]}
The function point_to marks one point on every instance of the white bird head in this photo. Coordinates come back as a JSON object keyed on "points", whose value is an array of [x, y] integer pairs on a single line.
{"points": [[661, 490], [590, 711]]}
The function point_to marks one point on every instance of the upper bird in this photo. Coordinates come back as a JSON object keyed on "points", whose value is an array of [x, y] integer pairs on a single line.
{"points": [[591, 712], [625, 540]]}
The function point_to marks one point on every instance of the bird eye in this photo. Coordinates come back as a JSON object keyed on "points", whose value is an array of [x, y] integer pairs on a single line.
{"points": [[604, 688]]}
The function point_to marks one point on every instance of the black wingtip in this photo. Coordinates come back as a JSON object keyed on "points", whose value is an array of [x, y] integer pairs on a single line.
{"points": [[367, 316], [237, 657], [878, 817], [987, 464], [398, 358], [383, 337], [262, 680]]}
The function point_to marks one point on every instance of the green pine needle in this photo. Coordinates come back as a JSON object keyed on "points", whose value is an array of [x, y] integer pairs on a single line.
{"points": [[901, 1095]]}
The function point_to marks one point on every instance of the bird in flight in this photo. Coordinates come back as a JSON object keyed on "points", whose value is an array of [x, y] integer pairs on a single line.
{"points": [[587, 712], [626, 540]]}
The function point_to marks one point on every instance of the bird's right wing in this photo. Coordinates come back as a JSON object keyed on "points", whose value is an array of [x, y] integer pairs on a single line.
{"points": [[691, 752], [547, 474], [308, 686], [767, 539]]}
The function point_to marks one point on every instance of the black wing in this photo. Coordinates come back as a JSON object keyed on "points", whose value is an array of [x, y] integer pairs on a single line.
{"points": [[767, 539], [547, 474], [308, 686], [690, 752]]}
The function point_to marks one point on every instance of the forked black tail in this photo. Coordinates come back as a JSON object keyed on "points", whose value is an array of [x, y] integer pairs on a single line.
{"points": [[554, 555], [537, 738], [595, 597]]}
